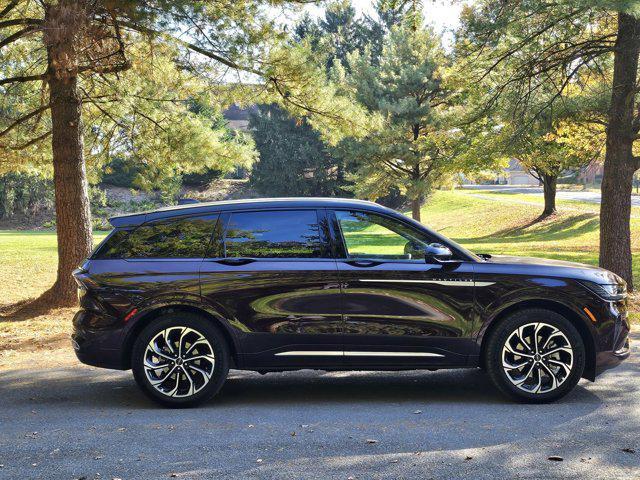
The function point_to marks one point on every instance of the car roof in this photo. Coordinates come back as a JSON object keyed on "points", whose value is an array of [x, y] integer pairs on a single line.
{"points": [[134, 219]]}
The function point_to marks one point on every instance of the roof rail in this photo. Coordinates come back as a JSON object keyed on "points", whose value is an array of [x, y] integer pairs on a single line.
{"points": [[187, 201]]}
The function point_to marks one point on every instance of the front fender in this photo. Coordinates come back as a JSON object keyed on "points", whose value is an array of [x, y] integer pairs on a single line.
{"points": [[562, 297]]}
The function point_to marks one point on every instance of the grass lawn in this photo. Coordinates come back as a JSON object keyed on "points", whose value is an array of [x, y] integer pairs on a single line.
{"points": [[500, 224], [28, 262]]}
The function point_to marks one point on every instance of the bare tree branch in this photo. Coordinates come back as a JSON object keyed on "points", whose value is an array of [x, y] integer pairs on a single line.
{"points": [[10, 6], [191, 46], [20, 21], [17, 35], [24, 119], [31, 142], [22, 79]]}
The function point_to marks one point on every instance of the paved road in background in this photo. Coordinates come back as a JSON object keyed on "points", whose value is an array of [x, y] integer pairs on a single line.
{"points": [[81, 422], [590, 197]]}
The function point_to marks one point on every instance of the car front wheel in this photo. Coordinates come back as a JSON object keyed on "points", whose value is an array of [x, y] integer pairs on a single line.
{"points": [[180, 359], [535, 356]]}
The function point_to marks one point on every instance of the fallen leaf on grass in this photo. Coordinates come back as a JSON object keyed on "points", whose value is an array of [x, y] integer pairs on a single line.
{"points": [[371, 440], [555, 458], [628, 450]]}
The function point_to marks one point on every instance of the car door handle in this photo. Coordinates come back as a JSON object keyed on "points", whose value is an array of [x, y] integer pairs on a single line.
{"points": [[362, 263], [234, 261]]}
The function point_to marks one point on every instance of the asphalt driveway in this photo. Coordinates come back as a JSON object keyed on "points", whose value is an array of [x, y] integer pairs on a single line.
{"points": [[80, 422]]}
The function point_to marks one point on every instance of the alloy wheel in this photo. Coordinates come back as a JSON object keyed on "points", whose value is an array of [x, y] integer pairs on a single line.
{"points": [[179, 361], [537, 357]]}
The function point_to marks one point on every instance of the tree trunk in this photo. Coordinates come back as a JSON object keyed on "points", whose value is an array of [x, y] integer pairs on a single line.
{"points": [[620, 164], [550, 187], [73, 217], [416, 205]]}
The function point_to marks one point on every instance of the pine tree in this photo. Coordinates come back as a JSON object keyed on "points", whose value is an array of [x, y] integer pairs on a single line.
{"points": [[412, 147], [55, 53], [293, 160]]}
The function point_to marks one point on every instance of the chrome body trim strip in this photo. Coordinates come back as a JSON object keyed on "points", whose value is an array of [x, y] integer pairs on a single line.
{"points": [[338, 353], [452, 283]]}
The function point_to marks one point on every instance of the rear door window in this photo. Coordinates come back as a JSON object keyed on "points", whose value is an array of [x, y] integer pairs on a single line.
{"points": [[177, 238], [275, 234]]}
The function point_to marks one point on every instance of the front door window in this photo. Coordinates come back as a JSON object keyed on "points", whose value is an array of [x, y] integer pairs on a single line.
{"points": [[367, 235]]}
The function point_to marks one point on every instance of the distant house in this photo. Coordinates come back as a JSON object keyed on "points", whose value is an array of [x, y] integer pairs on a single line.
{"points": [[591, 174], [515, 174], [238, 117]]}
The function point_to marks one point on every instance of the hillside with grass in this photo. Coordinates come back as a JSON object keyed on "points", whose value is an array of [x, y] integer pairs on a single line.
{"points": [[503, 223]]}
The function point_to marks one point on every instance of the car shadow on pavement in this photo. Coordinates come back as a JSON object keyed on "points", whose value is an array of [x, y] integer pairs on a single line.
{"points": [[446, 386], [91, 388]]}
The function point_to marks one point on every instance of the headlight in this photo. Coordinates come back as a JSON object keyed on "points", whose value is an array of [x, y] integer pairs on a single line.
{"points": [[607, 291]]}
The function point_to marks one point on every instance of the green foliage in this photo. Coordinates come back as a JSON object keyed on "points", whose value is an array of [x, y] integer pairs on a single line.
{"points": [[314, 97], [548, 153], [297, 156], [145, 116], [167, 124], [293, 159], [120, 173], [340, 32], [539, 77], [533, 59], [24, 193], [158, 121], [413, 146]]}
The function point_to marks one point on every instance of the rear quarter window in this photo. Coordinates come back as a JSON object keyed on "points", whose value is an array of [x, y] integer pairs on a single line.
{"points": [[179, 238]]}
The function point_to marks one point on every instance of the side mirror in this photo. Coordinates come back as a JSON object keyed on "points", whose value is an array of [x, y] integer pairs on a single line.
{"points": [[437, 252], [414, 250]]}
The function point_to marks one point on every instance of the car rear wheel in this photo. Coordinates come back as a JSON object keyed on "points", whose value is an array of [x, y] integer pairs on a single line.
{"points": [[180, 359], [535, 356]]}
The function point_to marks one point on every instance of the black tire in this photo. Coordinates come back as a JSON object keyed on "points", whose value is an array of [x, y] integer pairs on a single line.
{"points": [[217, 370], [494, 356]]}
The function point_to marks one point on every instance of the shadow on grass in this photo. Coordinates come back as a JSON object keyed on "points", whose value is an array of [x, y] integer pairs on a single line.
{"points": [[27, 309], [549, 228]]}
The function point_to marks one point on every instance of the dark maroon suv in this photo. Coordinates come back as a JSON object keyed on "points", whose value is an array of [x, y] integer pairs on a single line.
{"points": [[181, 295]]}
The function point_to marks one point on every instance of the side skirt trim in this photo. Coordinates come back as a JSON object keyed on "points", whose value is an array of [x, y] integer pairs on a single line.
{"points": [[451, 283], [339, 353]]}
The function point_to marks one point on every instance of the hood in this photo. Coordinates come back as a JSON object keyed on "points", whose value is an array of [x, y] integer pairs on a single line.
{"points": [[557, 268]]}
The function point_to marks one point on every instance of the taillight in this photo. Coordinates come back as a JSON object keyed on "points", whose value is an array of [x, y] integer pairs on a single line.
{"points": [[81, 292]]}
